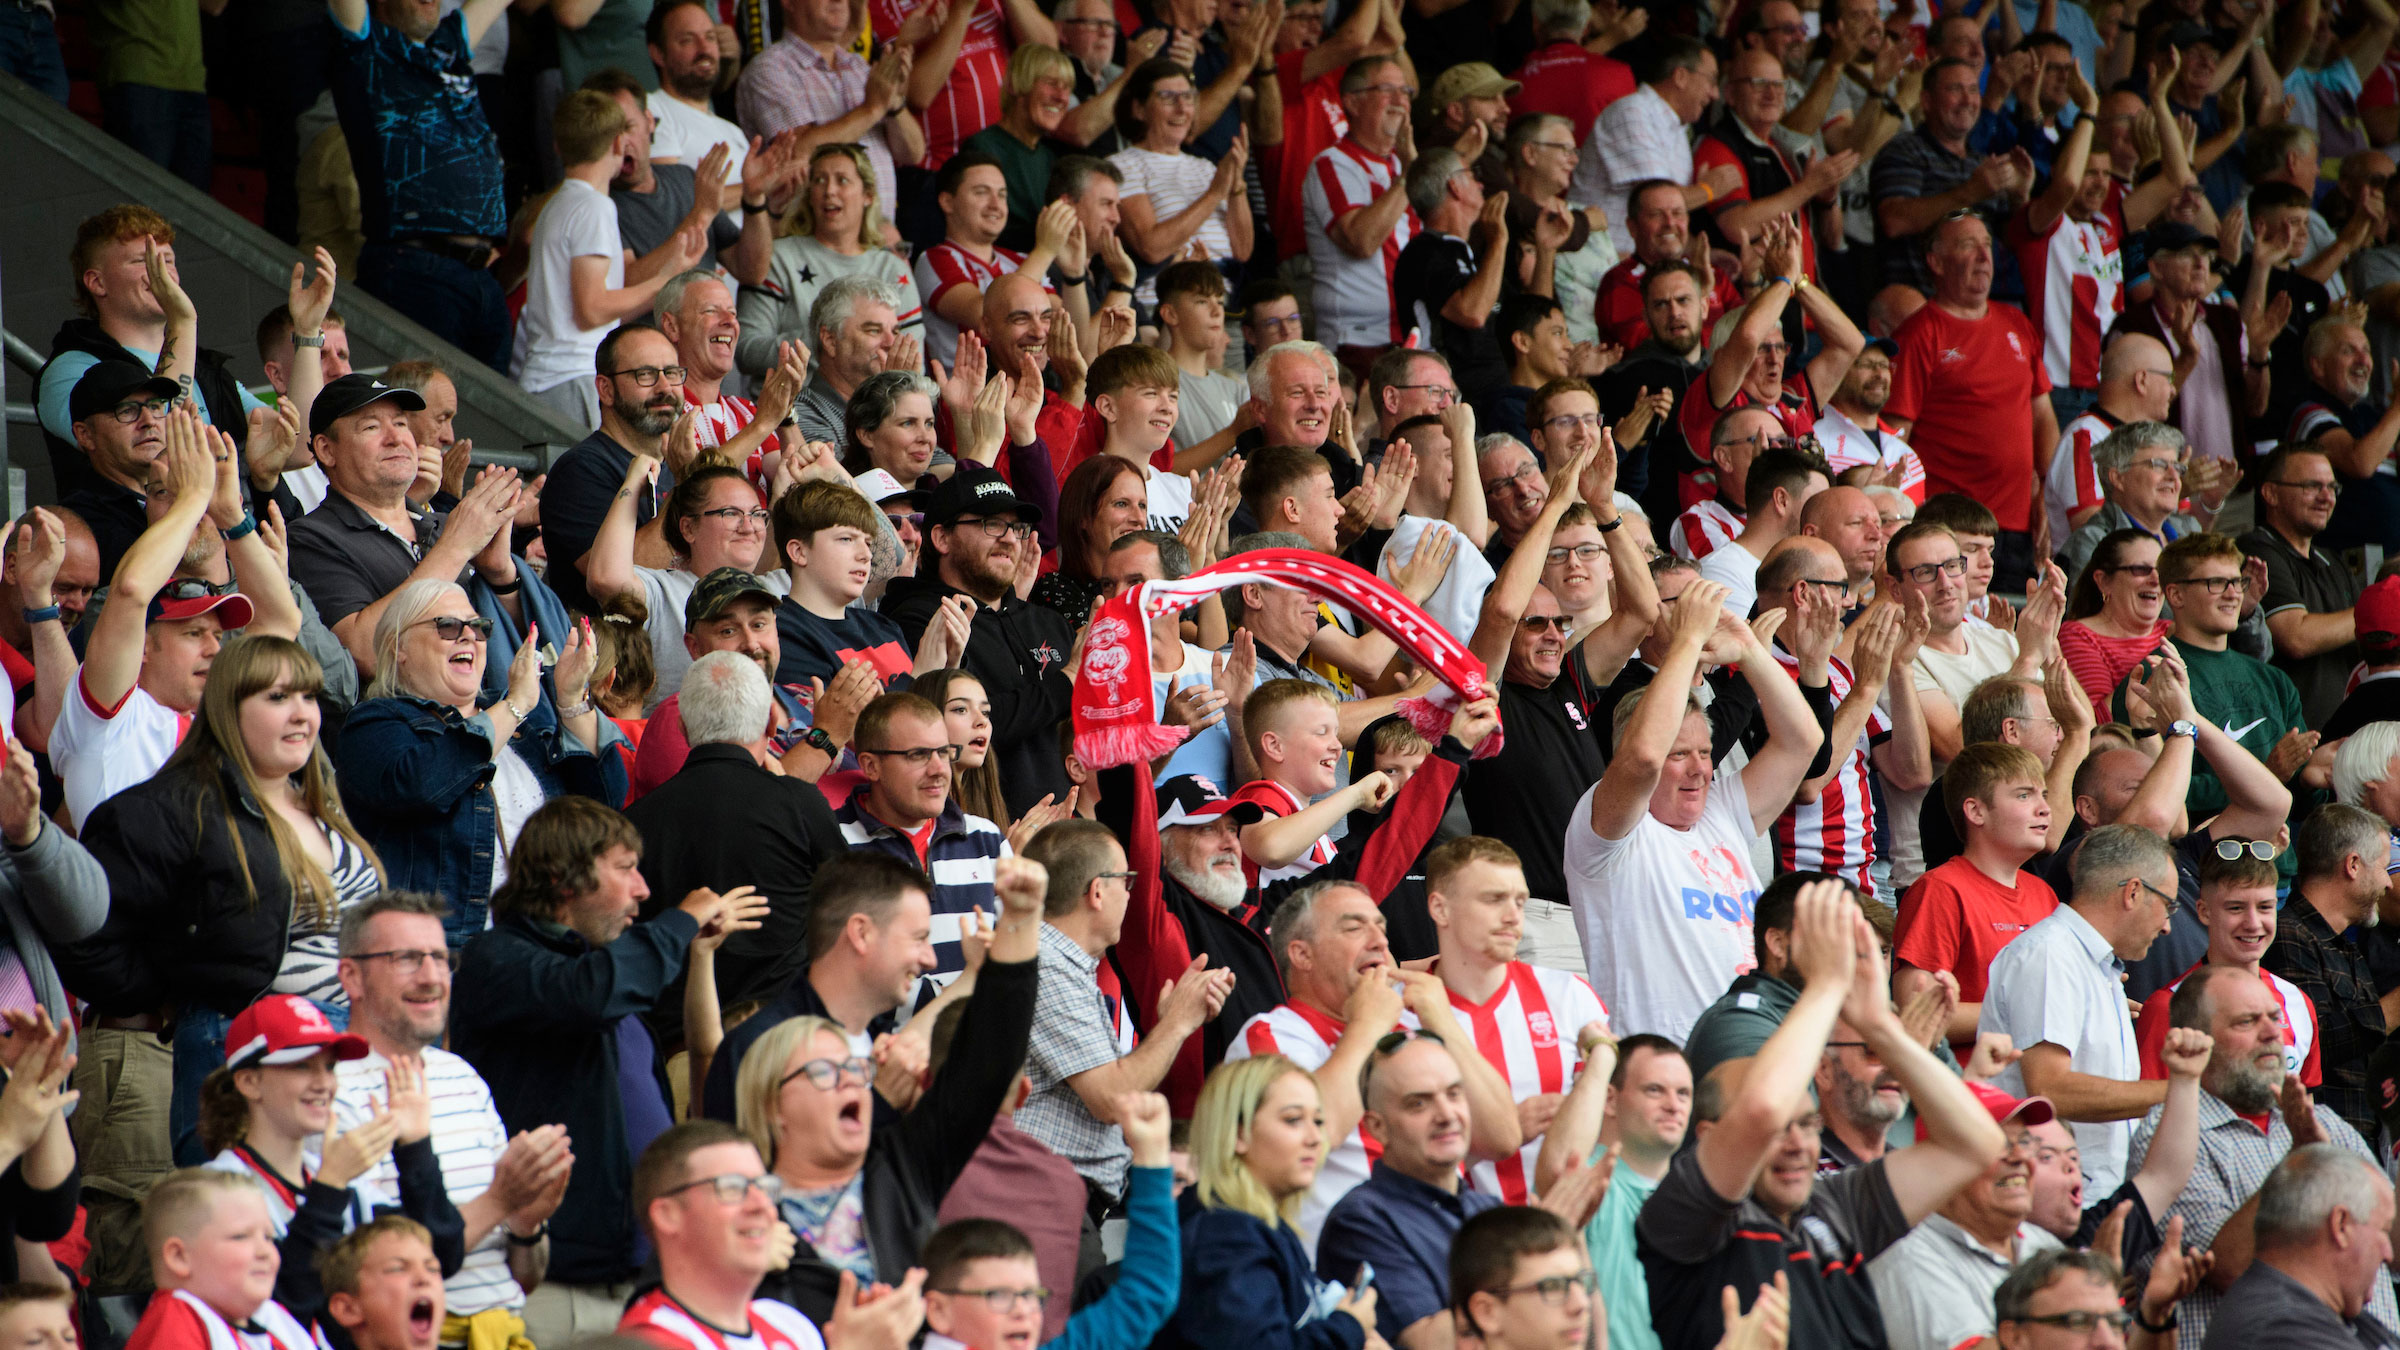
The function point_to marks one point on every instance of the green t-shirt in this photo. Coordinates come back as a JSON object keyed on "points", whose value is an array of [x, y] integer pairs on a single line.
{"points": [[149, 42], [1624, 1305], [2250, 700]]}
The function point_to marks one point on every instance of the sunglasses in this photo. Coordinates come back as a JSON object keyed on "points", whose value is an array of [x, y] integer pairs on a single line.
{"points": [[450, 629]]}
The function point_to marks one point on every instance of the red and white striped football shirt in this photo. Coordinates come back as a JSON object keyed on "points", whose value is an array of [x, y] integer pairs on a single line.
{"points": [[1702, 529], [1847, 446], [2074, 287], [1306, 1037], [1353, 295], [1527, 1031], [1277, 800], [1836, 832], [2073, 483], [657, 1318], [969, 99], [725, 419]]}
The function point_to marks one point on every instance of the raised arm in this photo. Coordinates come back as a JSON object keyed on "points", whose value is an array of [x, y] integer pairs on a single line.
{"points": [[608, 570], [112, 660], [2066, 177], [1960, 1137], [1504, 603], [1774, 1088], [1761, 319], [1575, 1131], [1624, 791], [1773, 776], [2175, 1144], [258, 570]]}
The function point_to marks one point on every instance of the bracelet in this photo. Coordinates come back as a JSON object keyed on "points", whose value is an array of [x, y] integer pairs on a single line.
{"points": [[513, 585], [576, 709], [2259, 365], [512, 710], [1769, 281], [1616, 523], [533, 1240], [1711, 190], [316, 341], [1115, 286], [1083, 279], [2153, 1328], [46, 614], [762, 205], [243, 529]]}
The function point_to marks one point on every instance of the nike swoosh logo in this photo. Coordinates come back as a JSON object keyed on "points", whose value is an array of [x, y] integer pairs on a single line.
{"points": [[2237, 735]]}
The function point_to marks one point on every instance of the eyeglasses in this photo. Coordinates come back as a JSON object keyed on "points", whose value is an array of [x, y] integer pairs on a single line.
{"points": [[2262, 849], [2030, 718], [1544, 623], [1442, 393], [827, 1074], [1118, 876], [2330, 489], [648, 376], [1552, 1291], [131, 411], [1859, 1046], [1528, 472], [1836, 587], [1004, 1301], [993, 529], [921, 756], [1568, 146], [1388, 89], [2133, 569], [2164, 896], [410, 962], [1559, 426], [1924, 573], [451, 629], [1582, 553], [1758, 83], [1173, 98], [2214, 585], [1109, 24], [2160, 465], [2082, 1322], [735, 515], [732, 1188]]}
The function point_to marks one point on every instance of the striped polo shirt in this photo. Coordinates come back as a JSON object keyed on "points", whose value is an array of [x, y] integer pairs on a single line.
{"points": [[959, 854]]}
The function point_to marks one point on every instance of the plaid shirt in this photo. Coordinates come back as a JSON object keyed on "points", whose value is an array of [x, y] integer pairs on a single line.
{"points": [[2235, 1157], [1073, 1031], [2333, 970]]}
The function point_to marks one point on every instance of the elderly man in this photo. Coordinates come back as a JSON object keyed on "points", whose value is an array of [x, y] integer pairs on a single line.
{"points": [[2054, 991], [1921, 178], [2355, 435], [2343, 853], [1357, 215], [2252, 1112], [1969, 392], [1661, 229], [1753, 141], [2324, 1235], [812, 81], [2137, 384], [725, 820], [2221, 350], [2140, 466], [855, 328], [2311, 594], [696, 312], [1641, 137], [1343, 994]]}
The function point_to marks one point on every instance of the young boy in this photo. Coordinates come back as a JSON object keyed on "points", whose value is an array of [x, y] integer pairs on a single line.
{"points": [[213, 1258], [1959, 915], [579, 285], [37, 1317], [383, 1286], [971, 1264], [1294, 731], [1191, 309], [1135, 389], [1290, 489], [2237, 905], [1976, 529], [825, 533], [1499, 1262]]}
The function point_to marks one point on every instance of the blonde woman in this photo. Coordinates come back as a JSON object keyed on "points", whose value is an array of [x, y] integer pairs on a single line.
{"points": [[834, 230], [1040, 121], [1258, 1134]]}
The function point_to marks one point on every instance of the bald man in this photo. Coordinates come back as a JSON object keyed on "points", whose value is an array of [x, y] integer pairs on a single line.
{"points": [[1019, 310], [2137, 384], [1846, 520]]}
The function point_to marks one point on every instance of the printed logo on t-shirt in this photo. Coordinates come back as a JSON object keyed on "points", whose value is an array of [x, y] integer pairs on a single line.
{"points": [[1736, 903], [1574, 709], [2004, 926], [1545, 1033], [890, 659], [1046, 656], [2015, 347]]}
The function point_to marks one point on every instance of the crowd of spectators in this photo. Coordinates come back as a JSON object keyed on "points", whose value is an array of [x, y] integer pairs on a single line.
{"points": [[1794, 751]]}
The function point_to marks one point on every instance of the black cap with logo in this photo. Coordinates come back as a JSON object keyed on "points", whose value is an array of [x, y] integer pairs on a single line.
{"points": [[977, 491]]}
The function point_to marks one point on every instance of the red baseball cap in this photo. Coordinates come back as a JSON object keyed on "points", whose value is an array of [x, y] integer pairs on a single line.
{"points": [[285, 1029], [2004, 1108], [2378, 615]]}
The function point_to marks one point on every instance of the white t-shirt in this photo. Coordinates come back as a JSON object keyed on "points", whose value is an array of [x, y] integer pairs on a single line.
{"points": [[468, 1138], [309, 484], [1172, 183], [1736, 569], [1989, 652], [1206, 406], [1665, 914], [516, 795], [685, 133], [1170, 499], [579, 222], [1457, 601], [99, 752]]}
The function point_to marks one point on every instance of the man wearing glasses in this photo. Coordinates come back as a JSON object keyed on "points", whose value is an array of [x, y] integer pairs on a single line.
{"points": [[1641, 136], [395, 971], [639, 379], [2207, 583], [1355, 206], [2319, 1278], [2312, 596], [905, 808]]}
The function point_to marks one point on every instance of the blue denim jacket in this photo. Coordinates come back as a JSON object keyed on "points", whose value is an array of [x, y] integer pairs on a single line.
{"points": [[417, 778]]}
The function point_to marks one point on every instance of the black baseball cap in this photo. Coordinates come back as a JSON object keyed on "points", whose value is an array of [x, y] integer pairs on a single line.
{"points": [[342, 397], [2169, 236], [111, 382], [1884, 345], [2186, 34], [719, 589], [1190, 799], [977, 490]]}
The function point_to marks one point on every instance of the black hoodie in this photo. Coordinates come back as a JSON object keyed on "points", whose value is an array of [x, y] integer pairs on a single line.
{"points": [[1019, 651]]}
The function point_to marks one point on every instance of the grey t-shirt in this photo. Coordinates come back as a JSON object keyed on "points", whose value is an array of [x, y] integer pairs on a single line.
{"points": [[647, 219]]}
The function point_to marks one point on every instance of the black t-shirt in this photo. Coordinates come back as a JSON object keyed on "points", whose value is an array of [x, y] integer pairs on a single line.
{"points": [[2372, 701], [1433, 268], [2316, 584], [818, 647], [1648, 472], [2288, 380], [1693, 1243], [1524, 795]]}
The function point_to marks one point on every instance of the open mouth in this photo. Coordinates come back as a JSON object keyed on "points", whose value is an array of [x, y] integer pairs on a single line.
{"points": [[421, 1323]]}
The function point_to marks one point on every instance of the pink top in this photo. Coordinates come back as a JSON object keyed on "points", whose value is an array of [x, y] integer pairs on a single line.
{"points": [[2101, 662]]}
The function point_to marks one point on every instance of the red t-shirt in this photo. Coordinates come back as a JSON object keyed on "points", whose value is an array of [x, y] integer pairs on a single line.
{"points": [[1564, 80], [1312, 121], [1796, 409], [1957, 919], [1618, 307], [1968, 387]]}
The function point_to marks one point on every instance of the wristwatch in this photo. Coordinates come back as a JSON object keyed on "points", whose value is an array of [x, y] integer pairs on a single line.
{"points": [[2181, 727]]}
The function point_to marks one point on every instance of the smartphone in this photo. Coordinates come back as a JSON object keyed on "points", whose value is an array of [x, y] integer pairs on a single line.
{"points": [[1365, 1280]]}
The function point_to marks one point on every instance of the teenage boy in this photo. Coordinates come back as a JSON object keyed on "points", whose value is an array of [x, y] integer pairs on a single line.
{"points": [[1519, 1281], [1191, 312], [213, 1258], [383, 1286], [1959, 915], [1294, 731], [826, 533], [1977, 531], [580, 285], [2237, 904], [38, 1316], [1137, 391]]}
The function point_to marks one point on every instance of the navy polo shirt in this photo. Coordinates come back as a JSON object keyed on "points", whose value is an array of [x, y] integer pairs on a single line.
{"points": [[1403, 1228]]}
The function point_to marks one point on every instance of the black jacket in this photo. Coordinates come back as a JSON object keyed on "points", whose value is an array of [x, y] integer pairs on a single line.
{"points": [[535, 1010], [183, 930], [912, 1162], [1019, 651], [219, 393], [721, 822]]}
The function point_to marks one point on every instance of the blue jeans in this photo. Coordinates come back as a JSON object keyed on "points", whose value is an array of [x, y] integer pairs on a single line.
{"points": [[199, 1052], [29, 49], [168, 127], [460, 304]]}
